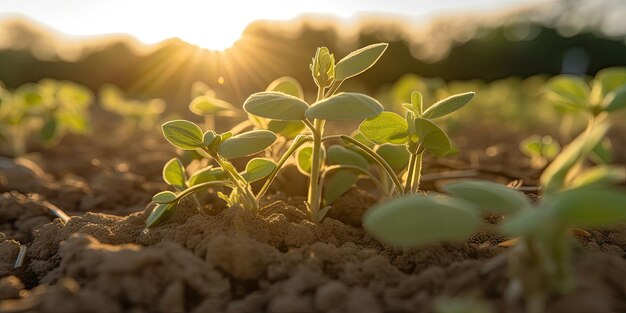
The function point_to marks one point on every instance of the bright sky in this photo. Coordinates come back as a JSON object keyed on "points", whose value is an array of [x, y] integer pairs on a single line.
{"points": [[217, 24]]}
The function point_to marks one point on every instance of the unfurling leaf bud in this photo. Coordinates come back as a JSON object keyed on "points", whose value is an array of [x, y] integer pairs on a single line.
{"points": [[323, 67]]}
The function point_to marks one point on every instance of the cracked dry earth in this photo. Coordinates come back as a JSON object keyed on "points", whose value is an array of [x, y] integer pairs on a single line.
{"points": [[224, 259]]}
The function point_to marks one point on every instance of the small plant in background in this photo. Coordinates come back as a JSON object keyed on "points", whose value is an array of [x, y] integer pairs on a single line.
{"points": [[221, 148], [416, 131], [540, 149], [137, 114], [539, 262], [42, 112], [206, 104]]}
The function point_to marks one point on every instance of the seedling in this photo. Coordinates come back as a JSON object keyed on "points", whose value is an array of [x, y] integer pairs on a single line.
{"points": [[328, 76], [539, 263], [540, 149], [416, 131], [44, 111], [186, 135], [137, 114], [206, 104]]}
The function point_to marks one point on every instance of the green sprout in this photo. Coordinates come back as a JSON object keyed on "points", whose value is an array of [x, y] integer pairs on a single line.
{"points": [[328, 106], [137, 114], [221, 148], [206, 104], [540, 149], [539, 262], [416, 131], [42, 112]]}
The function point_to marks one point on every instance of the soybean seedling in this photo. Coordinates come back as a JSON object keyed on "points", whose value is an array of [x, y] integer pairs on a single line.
{"points": [[186, 135], [540, 149], [328, 77], [44, 111], [416, 131], [539, 262], [206, 104], [137, 114]]}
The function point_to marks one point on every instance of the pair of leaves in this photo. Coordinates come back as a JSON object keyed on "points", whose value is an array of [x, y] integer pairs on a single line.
{"points": [[342, 107], [188, 136], [390, 127]]}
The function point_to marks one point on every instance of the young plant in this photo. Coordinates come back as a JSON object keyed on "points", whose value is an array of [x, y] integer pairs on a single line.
{"points": [[221, 148], [206, 104], [540, 149], [328, 76], [137, 114], [42, 112], [416, 131], [539, 262]]}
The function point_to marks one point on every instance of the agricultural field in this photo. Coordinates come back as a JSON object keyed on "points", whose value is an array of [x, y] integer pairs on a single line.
{"points": [[313, 165]]}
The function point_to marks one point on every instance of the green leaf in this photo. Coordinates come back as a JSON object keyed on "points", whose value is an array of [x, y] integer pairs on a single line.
{"points": [[205, 105], [245, 144], [600, 175], [554, 175], [417, 102], [345, 106], [174, 174], [287, 129], [396, 156], [208, 137], [359, 61], [418, 220], [588, 207], [337, 154], [257, 169], [616, 100], [338, 183], [489, 197], [448, 105], [160, 214], [528, 222], [602, 153], [200, 88], [388, 127], [276, 105], [568, 89], [432, 138], [183, 134], [207, 175], [288, 85], [164, 197], [611, 79], [303, 159]]}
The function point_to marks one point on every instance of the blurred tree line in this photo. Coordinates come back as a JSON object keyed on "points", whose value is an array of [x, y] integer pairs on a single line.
{"points": [[268, 50]]}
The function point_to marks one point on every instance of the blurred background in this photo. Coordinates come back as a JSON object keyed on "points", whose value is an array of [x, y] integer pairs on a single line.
{"points": [[159, 48]]}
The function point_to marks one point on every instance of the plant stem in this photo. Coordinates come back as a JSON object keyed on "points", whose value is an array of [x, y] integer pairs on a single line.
{"points": [[294, 146], [417, 173], [359, 170], [314, 195], [245, 194], [197, 187], [408, 185], [396, 181]]}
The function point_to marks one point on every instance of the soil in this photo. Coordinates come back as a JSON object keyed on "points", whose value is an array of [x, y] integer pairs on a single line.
{"points": [[225, 259]]}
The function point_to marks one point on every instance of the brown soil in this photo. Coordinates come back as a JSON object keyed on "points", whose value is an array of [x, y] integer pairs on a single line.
{"points": [[228, 260]]}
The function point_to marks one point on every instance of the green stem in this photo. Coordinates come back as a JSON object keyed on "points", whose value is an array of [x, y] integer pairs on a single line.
{"points": [[292, 149], [408, 185], [247, 197], [333, 88], [417, 173], [396, 181], [314, 195], [205, 185]]}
